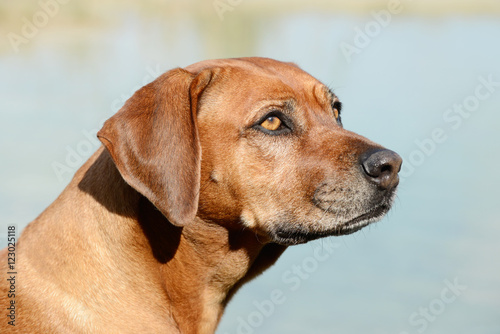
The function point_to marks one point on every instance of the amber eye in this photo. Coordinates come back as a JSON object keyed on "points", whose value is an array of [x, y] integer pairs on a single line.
{"points": [[274, 123], [271, 123], [336, 113]]}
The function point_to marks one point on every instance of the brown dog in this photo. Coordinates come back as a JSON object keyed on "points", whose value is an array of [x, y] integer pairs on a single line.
{"points": [[207, 174]]}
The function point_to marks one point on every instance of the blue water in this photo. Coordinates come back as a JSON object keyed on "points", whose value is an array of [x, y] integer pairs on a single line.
{"points": [[432, 265]]}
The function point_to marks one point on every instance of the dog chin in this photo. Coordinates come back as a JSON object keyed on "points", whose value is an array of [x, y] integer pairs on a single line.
{"points": [[293, 234]]}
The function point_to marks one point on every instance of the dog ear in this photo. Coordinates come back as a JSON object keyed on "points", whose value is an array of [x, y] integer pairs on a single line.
{"points": [[153, 141]]}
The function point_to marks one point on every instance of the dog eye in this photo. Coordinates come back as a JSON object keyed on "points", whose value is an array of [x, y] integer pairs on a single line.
{"points": [[271, 123], [274, 123], [336, 107]]}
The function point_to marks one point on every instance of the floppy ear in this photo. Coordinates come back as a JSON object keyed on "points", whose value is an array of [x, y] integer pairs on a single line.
{"points": [[153, 141]]}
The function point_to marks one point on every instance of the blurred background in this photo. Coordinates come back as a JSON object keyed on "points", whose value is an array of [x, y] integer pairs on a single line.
{"points": [[419, 77]]}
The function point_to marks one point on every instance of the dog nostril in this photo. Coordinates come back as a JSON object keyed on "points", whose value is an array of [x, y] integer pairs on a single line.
{"points": [[385, 169], [381, 167]]}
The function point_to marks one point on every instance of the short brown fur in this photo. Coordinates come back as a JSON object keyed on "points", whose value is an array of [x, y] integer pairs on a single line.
{"points": [[187, 200]]}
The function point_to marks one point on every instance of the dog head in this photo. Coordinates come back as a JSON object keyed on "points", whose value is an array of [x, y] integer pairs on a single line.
{"points": [[251, 143]]}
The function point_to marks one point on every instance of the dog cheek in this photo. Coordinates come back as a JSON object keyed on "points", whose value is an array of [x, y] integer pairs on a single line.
{"points": [[269, 189]]}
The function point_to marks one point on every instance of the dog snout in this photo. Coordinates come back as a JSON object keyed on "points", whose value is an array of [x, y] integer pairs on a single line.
{"points": [[382, 167]]}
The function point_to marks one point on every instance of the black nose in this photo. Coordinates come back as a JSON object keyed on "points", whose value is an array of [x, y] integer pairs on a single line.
{"points": [[381, 167]]}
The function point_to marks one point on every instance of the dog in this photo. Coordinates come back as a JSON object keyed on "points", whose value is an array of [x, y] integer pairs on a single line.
{"points": [[206, 175]]}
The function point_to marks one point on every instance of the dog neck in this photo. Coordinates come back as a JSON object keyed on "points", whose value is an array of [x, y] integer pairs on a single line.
{"points": [[199, 267], [199, 264]]}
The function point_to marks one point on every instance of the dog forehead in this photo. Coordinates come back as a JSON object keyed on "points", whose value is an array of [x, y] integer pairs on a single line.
{"points": [[244, 62], [256, 80], [257, 69]]}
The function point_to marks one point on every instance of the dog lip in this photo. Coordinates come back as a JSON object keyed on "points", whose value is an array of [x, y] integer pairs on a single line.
{"points": [[300, 236], [367, 217], [291, 238]]}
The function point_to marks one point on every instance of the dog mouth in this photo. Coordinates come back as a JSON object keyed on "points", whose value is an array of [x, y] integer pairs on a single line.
{"points": [[363, 220], [292, 234]]}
